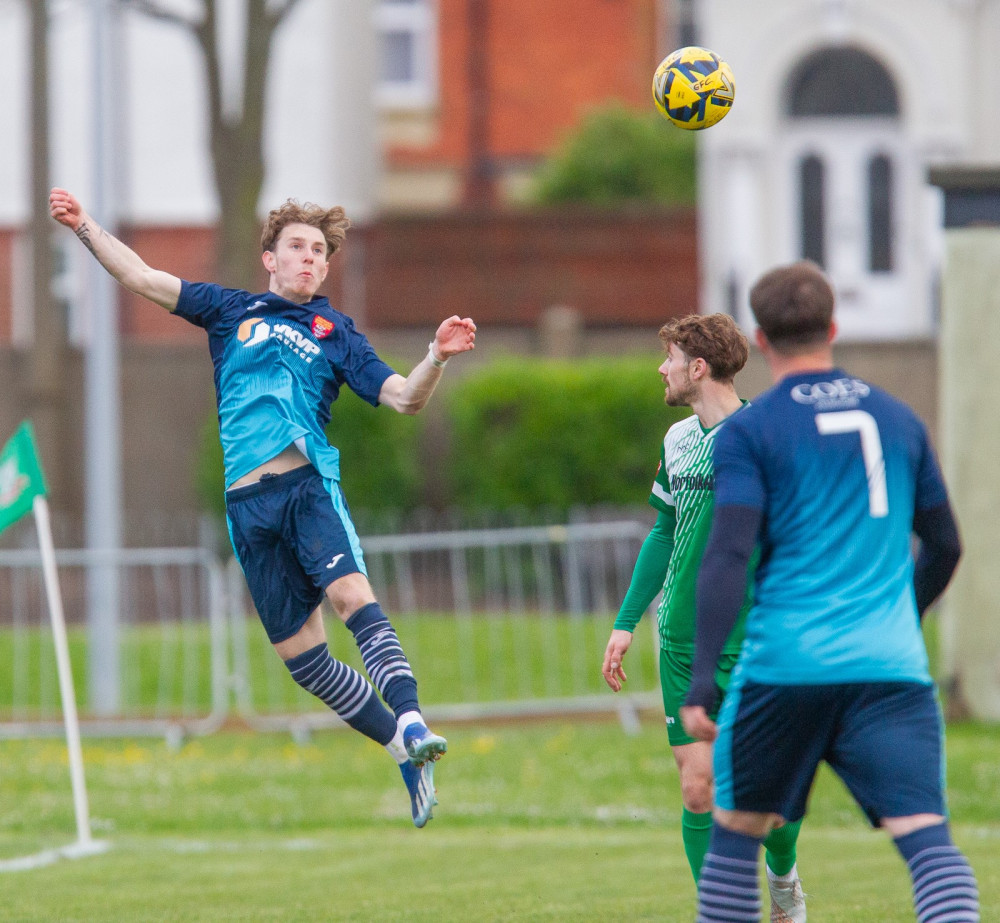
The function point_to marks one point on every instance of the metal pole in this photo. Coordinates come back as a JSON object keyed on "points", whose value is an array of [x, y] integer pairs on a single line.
{"points": [[101, 382]]}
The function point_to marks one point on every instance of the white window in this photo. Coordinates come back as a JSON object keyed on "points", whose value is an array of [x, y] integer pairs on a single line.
{"points": [[407, 35]]}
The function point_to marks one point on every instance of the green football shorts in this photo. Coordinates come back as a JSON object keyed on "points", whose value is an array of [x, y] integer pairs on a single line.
{"points": [[675, 680]]}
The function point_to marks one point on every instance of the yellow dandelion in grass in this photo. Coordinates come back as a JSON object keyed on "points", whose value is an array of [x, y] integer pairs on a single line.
{"points": [[483, 745]]}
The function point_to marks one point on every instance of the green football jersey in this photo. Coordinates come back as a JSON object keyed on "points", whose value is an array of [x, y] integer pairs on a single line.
{"points": [[685, 484]]}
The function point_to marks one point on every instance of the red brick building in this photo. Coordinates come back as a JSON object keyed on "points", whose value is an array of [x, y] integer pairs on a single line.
{"points": [[514, 77]]}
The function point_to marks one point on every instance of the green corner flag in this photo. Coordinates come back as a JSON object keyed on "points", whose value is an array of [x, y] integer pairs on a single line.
{"points": [[21, 478]]}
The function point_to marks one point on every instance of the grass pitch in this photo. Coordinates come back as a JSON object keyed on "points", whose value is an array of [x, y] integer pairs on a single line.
{"points": [[539, 822]]}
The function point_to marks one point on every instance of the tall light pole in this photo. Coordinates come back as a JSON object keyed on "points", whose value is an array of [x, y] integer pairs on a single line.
{"points": [[102, 384]]}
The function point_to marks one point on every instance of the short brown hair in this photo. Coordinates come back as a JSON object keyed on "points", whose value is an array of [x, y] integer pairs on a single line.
{"points": [[793, 306], [332, 222], [712, 337]]}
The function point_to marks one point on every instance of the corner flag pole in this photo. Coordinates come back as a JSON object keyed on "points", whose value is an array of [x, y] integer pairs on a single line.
{"points": [[40, 508], [22, 490]]}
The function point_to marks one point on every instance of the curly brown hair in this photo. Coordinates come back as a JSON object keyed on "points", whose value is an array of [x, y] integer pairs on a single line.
{"points": [[793, 306], [333, 222], [712, 337]]}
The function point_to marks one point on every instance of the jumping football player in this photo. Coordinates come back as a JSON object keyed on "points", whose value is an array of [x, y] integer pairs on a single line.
{"points": [[280, 359]]}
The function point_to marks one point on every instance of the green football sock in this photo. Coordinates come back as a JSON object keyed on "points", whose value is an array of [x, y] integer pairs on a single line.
{"points": [[780, 846], [696, 831]]}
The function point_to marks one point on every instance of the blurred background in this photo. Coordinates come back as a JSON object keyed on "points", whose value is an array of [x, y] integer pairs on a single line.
{"points": [[499, 159]]}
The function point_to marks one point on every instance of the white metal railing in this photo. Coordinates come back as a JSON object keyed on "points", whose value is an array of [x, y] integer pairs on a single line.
{"points": [[170, 644], [515, 620], [496, 622]]}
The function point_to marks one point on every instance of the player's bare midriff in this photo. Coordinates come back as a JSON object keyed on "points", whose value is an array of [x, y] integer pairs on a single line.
{"points": [[287, 460]]}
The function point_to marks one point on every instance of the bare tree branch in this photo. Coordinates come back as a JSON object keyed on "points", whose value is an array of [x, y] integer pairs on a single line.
{"points": [[154, 10]]}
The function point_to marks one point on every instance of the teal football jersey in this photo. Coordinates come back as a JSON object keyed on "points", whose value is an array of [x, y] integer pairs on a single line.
{"points": [[278, 368]]}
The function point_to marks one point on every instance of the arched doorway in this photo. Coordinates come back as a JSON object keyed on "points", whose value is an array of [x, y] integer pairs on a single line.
{"points": [[849, 187]]}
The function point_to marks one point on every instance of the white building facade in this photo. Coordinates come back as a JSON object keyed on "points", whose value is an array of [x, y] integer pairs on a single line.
{"points": [[841, 108]]}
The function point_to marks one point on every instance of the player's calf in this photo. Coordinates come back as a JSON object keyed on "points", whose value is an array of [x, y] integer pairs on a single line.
{"points": [[944, 886]]}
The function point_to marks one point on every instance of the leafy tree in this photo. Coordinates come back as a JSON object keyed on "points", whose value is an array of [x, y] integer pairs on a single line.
{"points": [[618, 156]]}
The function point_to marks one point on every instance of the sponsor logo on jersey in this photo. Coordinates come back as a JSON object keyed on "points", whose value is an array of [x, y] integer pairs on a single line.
{"points": [[692, 482], [302, 345], [321, 327], [252, 331], [842, 392]]}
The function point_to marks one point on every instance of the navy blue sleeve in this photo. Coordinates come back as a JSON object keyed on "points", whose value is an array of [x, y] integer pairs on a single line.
{"points": [[363, 370], [940, 550], [722, 585], [739, 479], [931, 490], [204, 303]]}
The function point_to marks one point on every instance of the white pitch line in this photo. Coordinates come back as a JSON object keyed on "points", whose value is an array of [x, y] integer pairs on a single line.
{"points": [[76, 850]]}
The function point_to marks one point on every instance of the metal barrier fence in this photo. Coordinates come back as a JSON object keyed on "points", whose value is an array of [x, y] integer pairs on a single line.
{"points": [[169, 643], [496, 622]]}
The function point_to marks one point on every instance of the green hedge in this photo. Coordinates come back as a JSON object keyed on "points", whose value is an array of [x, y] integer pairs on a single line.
{"points": [[534, 433], [618, 156]]}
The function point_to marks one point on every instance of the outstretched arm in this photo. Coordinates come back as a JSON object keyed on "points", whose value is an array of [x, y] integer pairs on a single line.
{"points": [[409, 395], [122, 263]]}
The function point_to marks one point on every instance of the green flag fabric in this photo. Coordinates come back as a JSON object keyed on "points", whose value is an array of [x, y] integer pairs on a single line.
{"points": [[21, 478]]}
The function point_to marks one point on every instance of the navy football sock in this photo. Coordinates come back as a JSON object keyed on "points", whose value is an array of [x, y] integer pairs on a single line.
{"points": [[944, 886], [345, 690], [384, 658], [728, 890]]}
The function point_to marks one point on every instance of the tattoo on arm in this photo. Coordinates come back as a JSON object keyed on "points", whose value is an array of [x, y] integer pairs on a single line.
{"points": [[83, 232]]}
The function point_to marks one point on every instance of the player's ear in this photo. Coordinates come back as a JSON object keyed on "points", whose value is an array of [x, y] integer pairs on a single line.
{"points": [[267, 258], [761, 341], [833, 332]]}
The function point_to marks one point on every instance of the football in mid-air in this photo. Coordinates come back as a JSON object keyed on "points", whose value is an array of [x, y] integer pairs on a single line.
{"points": [[693, 88]]}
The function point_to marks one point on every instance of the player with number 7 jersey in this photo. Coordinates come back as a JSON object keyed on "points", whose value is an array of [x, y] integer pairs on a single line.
{"points": [[828, 478], [844, 464]]}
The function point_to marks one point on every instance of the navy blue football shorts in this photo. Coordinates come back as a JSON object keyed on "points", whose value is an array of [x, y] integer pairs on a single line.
{"points": [[885, 740], [293, 536]]}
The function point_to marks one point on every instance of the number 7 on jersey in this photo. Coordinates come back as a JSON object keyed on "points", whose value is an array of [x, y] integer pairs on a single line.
{"points": [[851, 421]]}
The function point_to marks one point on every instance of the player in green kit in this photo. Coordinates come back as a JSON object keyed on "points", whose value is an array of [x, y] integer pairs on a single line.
{"points": [[704, 354]]}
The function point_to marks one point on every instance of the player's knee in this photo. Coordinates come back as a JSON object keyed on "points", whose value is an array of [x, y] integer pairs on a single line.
{"points": [[696, 792], [348, 594]]}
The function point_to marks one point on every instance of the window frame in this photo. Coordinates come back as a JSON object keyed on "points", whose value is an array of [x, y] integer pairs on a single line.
{"points": [[419, 19]]}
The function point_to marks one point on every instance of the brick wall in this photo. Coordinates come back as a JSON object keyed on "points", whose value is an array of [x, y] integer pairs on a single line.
{"points": [[502, 268], [541, 67], [615, 269]]}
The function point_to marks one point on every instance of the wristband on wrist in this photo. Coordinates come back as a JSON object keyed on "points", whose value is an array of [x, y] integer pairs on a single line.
{"points": [[437, 363]]}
